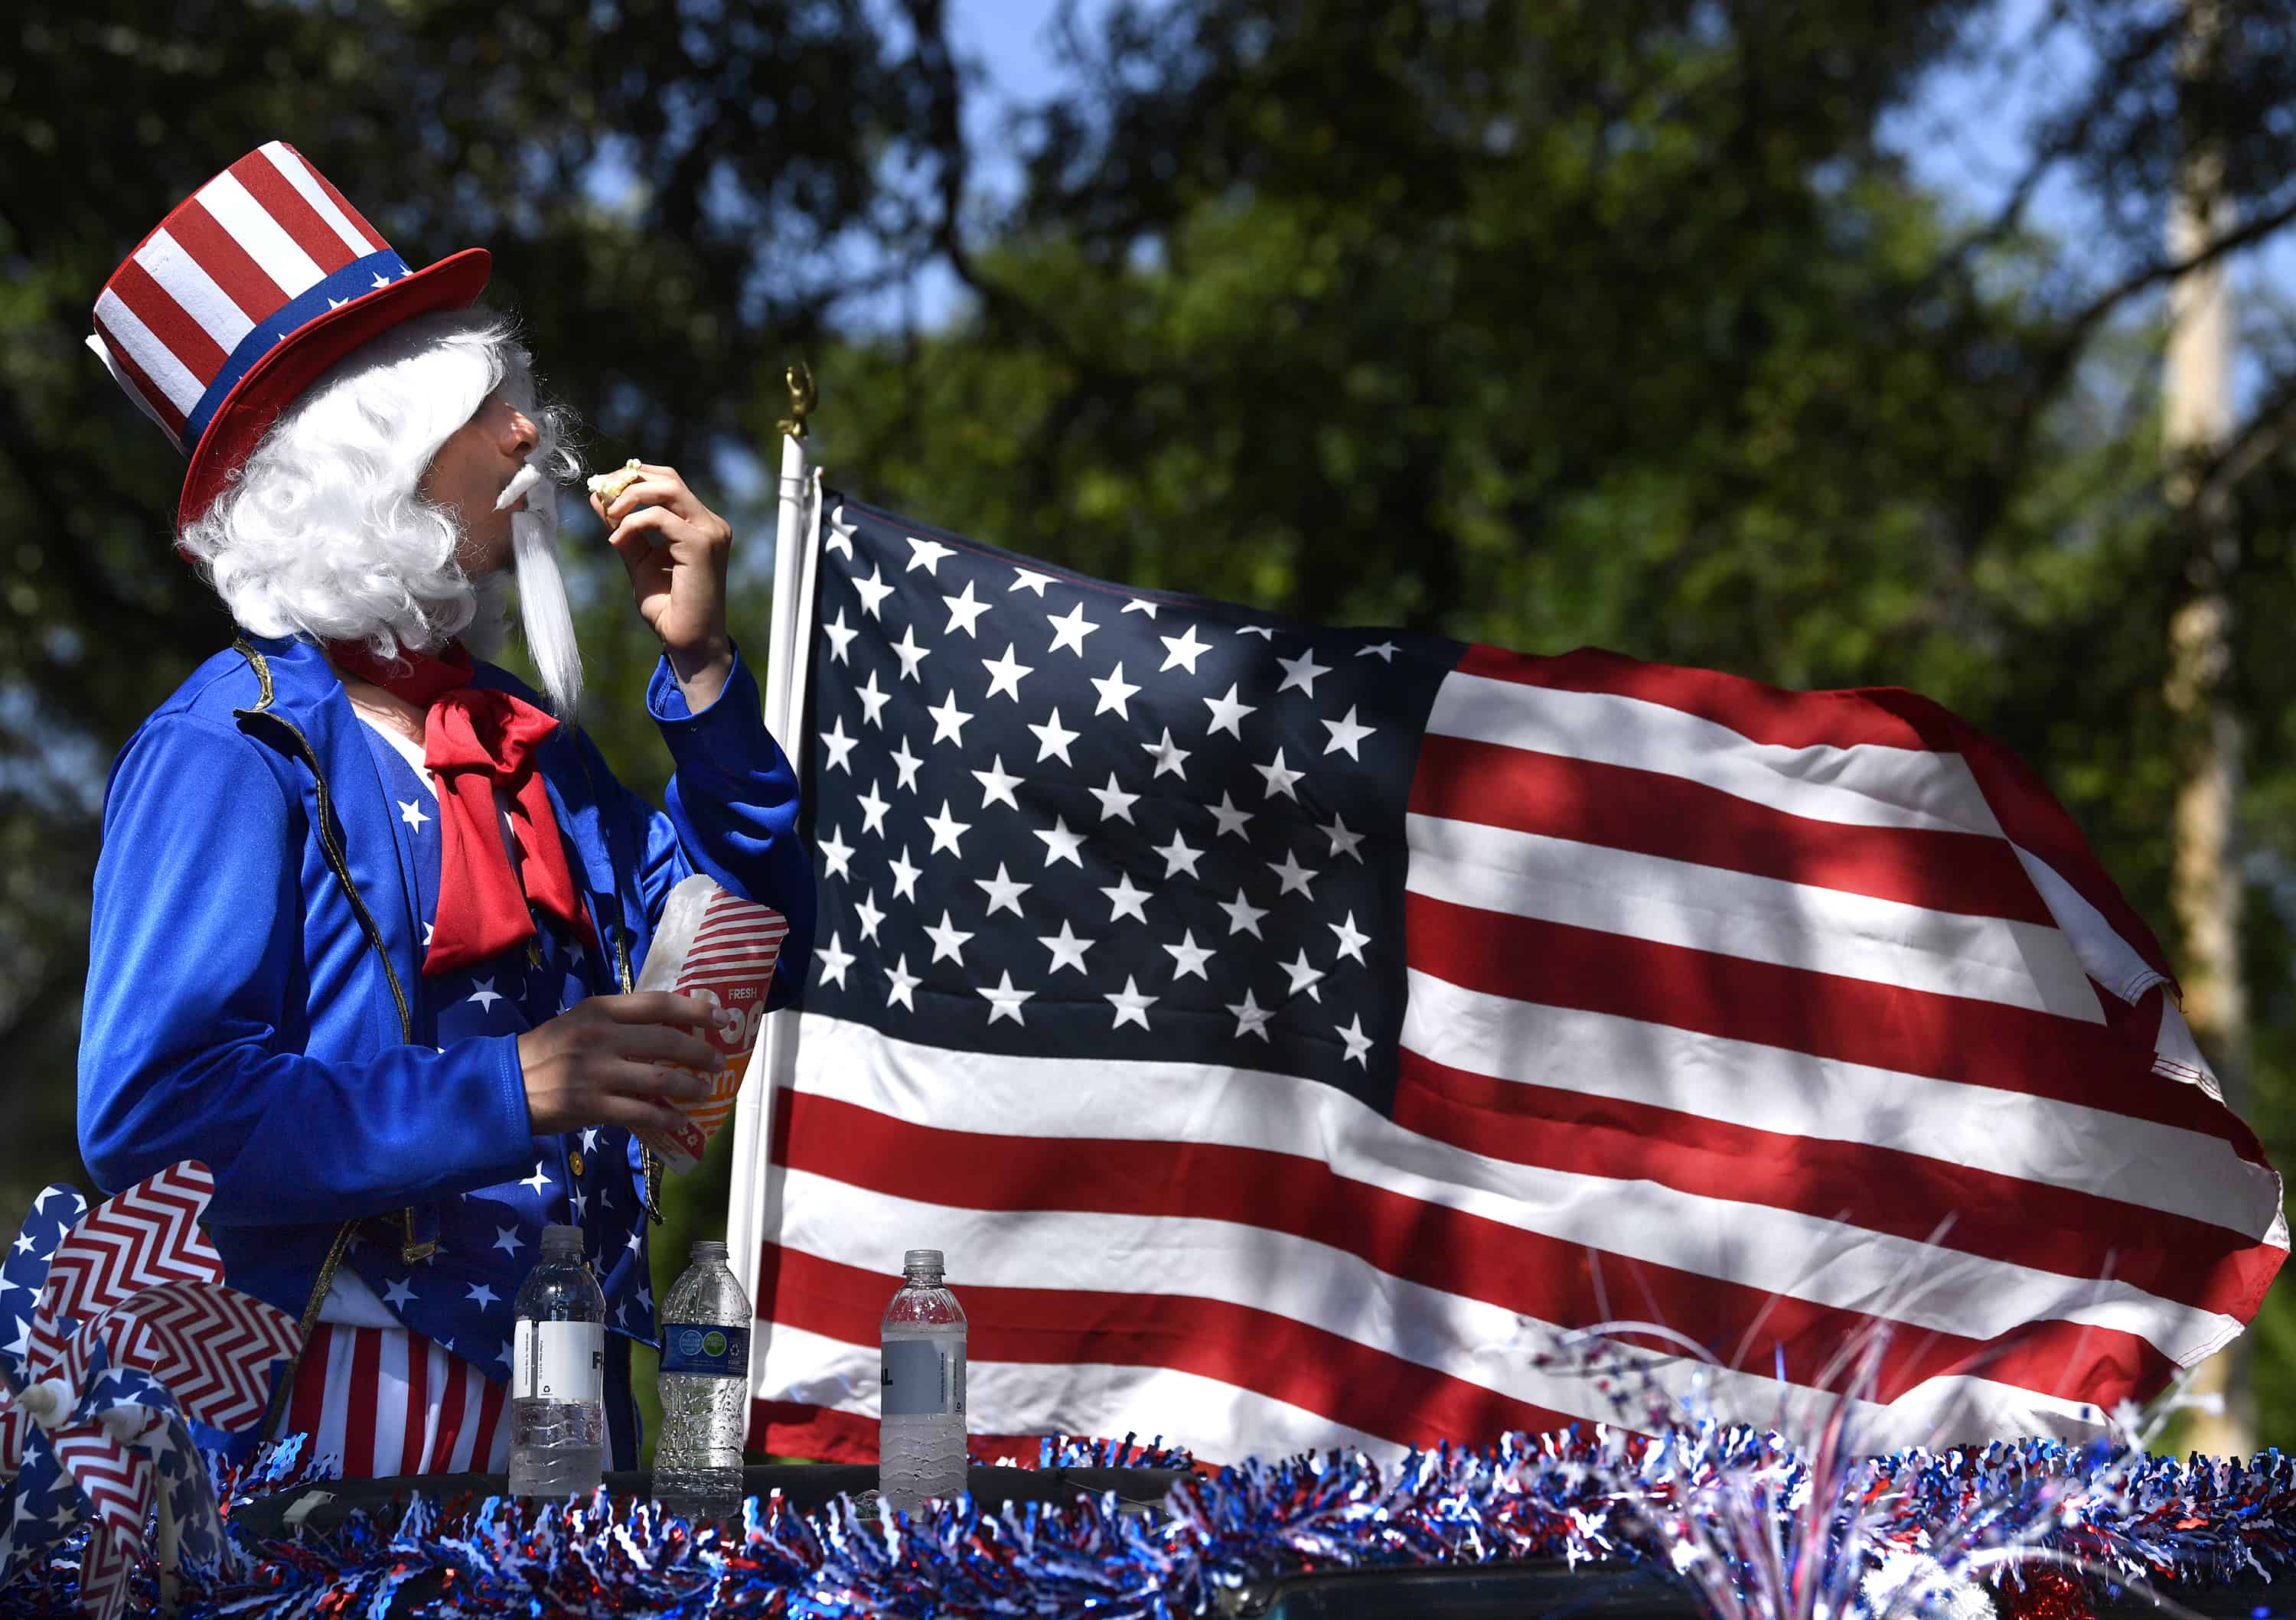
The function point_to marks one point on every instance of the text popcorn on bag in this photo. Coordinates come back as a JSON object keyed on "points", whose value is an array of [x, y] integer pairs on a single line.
{"points": [[716, 947]]}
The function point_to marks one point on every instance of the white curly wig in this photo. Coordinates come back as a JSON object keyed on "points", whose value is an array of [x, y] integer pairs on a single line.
{"points": [[324, 534]]}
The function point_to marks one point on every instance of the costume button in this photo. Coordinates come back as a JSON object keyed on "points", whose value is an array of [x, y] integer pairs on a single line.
{"points": [[574, 1161]]}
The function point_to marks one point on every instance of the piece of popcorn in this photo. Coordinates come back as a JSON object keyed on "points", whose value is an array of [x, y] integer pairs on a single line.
{"points": [[607, 486]]}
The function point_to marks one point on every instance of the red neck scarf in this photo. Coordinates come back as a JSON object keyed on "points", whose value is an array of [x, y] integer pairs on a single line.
{"points": [[476, 740]]}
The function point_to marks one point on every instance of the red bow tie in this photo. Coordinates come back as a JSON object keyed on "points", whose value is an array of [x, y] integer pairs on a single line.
{"points": [[476, 740]]}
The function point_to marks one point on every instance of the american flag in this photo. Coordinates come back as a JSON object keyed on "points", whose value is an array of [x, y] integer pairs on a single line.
{"points": [[1286, 1030]]}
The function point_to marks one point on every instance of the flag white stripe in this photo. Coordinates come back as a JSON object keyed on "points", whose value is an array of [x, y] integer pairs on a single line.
{"points": [[298, 175], [334, 1408], [264, 240], [152, 355], [1869, 785], [466, 1438], [186, 280], [1477, 1343], [390, 1394], [1772, 1088], [1771, 1250], [1741, 914]]}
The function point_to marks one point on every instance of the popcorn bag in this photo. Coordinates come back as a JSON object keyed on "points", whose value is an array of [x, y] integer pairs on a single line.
{"points": [[715, 946]]}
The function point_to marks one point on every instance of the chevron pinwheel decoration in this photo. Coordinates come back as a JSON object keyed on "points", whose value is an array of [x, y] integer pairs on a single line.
{"points": [[123, 1335]]}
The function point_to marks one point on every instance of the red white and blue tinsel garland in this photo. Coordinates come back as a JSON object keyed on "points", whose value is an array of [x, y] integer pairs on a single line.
{"points": [[1756, 1526]]}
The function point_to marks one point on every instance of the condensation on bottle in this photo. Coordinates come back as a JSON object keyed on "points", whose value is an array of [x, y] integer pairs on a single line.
{"points": [[558, 1375], [921, 1452], [705, 1391]]}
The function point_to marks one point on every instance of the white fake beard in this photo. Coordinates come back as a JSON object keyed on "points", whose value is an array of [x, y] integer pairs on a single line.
{"points": [[544, 611]]}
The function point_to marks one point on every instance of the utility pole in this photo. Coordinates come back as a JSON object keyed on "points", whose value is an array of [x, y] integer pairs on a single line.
{"points": [[2205, 882]]}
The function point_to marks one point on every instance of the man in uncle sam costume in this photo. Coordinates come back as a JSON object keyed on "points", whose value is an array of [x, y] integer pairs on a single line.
{"points": [[367, 915]]}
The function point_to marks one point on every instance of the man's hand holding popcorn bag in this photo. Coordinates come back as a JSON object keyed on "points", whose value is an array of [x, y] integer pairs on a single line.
{"points": [[715, 948]]}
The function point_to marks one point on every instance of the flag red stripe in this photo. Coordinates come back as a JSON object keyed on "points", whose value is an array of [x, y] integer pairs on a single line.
{"points": [[1650, 813], [491, 1396], [1885, 1189], [308, 1403], [301, 222], [1451, 1250], [358, 1423], [229, 265], [1884, 716], [1977, 1042], [1275, 1355]]}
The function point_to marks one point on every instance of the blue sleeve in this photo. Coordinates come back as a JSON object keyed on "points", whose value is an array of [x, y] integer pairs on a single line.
{"points": [[733, 813], [199, 1011]]}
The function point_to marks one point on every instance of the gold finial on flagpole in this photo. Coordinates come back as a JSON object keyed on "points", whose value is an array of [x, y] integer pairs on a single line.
{"points": [[800, 378]]}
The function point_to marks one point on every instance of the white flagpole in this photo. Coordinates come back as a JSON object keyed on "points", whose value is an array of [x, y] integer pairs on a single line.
{"points": [[797, 538]]}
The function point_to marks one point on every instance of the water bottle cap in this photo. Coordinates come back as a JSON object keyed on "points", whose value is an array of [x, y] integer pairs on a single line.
{"points": [[921, 1260], [562, 1243]]}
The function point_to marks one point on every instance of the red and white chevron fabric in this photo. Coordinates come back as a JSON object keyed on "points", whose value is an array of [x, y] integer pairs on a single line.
{"points": [[212, 1348], [106, 1569], [145, 1238], [116, 1478], [132, 1333]]}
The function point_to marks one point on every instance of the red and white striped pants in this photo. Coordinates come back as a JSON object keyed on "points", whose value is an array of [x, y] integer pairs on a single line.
{"points": [[387, 1400]]}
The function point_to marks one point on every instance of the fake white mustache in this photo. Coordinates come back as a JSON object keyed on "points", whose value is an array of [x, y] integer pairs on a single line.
{"points": [[528, 475]]}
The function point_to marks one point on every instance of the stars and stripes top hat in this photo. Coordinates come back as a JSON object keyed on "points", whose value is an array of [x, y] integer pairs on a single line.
{"points": [[253, 286]]}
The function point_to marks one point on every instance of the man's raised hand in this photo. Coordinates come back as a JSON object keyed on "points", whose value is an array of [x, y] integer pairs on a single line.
{"points": [[675, 549]]}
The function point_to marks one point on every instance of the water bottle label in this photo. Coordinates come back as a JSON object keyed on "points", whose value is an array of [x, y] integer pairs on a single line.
{"points": [[706, 1348], [558, 1361], [922, 1377]]}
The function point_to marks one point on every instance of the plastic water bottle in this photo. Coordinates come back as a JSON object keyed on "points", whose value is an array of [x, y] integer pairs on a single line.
{"points": [[705, 1391], [558, 1375], [921, 1435]]}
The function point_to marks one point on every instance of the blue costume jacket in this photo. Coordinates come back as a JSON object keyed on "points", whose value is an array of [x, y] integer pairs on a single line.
{"points": [[255, 1000]]}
